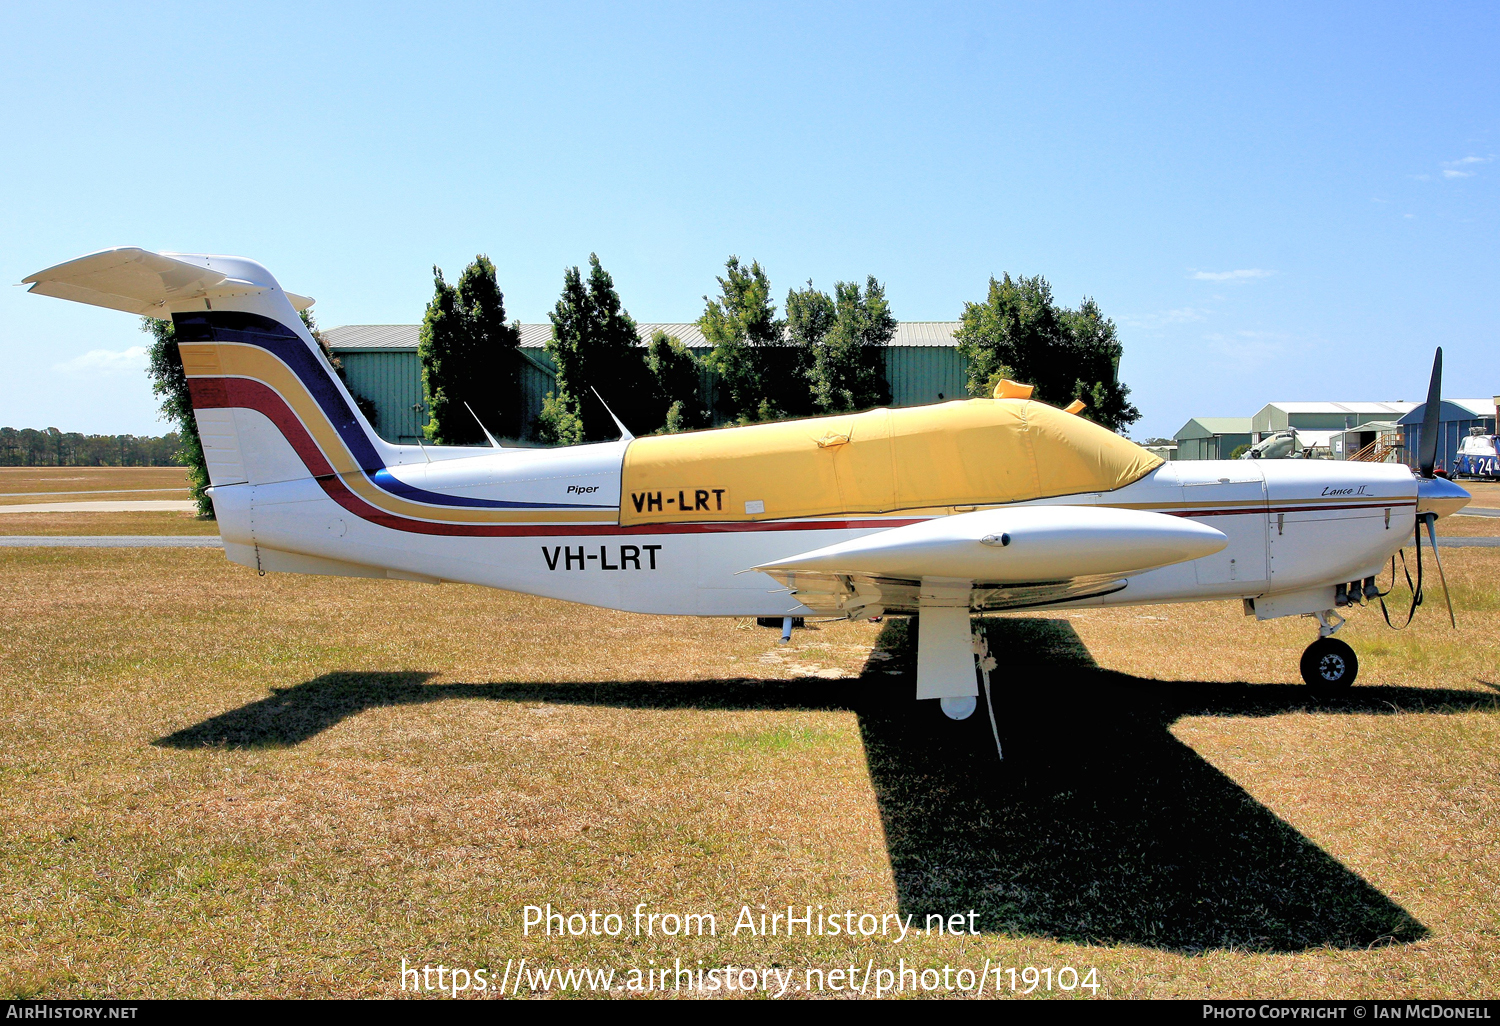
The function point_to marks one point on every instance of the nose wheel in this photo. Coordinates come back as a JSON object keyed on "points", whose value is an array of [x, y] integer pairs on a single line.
{"points": [[1329, 666]]}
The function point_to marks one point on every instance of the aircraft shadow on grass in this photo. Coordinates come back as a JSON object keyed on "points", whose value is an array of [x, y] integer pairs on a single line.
{"points": [[1100, 826]]}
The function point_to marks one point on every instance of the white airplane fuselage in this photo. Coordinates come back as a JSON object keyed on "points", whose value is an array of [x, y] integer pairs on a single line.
{"points": [[1295, 529]]}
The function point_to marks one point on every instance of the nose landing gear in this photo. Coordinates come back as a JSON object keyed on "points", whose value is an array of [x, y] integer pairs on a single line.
{"points": [[1329, 666]]}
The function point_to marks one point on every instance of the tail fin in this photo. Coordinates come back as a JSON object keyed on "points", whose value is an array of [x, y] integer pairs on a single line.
{"points": [[269, 408]]}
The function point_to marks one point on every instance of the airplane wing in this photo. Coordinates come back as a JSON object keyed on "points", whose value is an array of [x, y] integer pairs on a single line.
{"points": [[856, 595], [1015, 558]]}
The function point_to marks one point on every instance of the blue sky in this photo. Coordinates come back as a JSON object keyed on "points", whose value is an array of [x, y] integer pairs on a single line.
{"points": [[1273, 202]]}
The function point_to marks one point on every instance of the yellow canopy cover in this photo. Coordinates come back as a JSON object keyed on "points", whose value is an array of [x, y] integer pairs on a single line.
{"points": [[974, 452]]}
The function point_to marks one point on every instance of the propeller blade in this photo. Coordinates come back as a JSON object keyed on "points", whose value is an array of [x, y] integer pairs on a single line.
{"points": [[1432, 535], [1427, 453]]}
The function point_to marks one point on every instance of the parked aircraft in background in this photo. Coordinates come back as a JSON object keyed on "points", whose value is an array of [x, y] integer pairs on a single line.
{"points": [[942, 511], [1478, 457]]}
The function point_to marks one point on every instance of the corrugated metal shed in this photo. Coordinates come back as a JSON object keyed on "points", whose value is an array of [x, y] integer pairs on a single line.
{"points": [[393, 380], [921, 362], [364, 338], [1323, 416], [1455, 419], [1211, 438]]}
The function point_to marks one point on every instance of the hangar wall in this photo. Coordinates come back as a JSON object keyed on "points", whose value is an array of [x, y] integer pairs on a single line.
{"points": [[922, 365]]}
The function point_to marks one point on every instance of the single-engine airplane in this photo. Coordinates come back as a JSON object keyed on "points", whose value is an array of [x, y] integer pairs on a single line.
{"points": [[941, 511]]}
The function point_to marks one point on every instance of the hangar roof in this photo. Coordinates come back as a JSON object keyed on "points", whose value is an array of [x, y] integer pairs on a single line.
{"points": [[1396, 408], [1207, 427], [1454, 409], [356, 338]]}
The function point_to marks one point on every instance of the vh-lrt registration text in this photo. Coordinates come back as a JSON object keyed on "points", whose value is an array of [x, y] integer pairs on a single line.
{"points": [[706, 500], [608, 557]]}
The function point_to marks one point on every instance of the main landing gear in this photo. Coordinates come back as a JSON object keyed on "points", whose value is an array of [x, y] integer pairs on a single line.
{"points": [[1328, 665]]}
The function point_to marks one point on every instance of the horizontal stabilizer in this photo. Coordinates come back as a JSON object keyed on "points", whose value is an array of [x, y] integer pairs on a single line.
{"points": [[141, 282]]}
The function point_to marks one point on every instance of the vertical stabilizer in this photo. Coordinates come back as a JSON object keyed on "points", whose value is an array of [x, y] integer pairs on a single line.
{"points": [[269, 407]]}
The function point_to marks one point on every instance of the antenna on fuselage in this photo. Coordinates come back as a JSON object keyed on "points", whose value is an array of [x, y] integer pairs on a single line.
{"points": [[625, 435], [493, 444]]}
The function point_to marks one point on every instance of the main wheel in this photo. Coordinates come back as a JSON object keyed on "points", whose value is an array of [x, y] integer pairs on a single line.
{"points": [[1329, 666], [958, 708]]}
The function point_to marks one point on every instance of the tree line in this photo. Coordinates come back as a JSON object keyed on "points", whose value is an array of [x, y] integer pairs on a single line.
{"points": [[29, 447], [823, 354]]}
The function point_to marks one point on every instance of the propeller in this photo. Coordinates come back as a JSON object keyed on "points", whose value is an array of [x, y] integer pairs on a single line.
{"points": [[1426, 461], [1427, 454], [1431, 519]]}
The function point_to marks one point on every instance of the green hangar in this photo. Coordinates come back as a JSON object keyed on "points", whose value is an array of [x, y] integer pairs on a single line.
{"points": [[380, 361]]}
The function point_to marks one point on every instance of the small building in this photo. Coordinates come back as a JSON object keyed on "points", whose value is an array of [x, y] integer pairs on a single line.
{"points": [[1378, 441], [922, 365], [1212, 438], [1456, 417]]}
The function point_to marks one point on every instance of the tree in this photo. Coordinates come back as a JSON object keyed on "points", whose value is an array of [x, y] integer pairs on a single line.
{"points": [[846, 338], [1096, 368], [1018, 331], [29, 447], [170, 384], [468, 355], [559, 422], [674, 378], [762, 369], [594, 345]]}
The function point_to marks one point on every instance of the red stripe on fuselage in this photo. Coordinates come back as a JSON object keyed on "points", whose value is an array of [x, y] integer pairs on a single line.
{"points": [[1386, 504]]}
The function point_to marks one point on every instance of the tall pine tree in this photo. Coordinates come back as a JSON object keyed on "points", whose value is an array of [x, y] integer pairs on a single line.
{"points": [[468, 355], [762, 369], [594, 345], [846, 338], [675, 382]]}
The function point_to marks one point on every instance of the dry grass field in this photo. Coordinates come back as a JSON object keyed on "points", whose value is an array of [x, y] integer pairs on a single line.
{"points": [[89, 522], [220, 784], [153, 523], [1486, 493], [1467, 527], [24, 485], [95, 479]]}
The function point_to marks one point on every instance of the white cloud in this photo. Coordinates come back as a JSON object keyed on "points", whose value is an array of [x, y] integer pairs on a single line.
{"points": [[1152, 321], [1453, 168], [1247, 350], [1247, 274], [105, 362]]}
